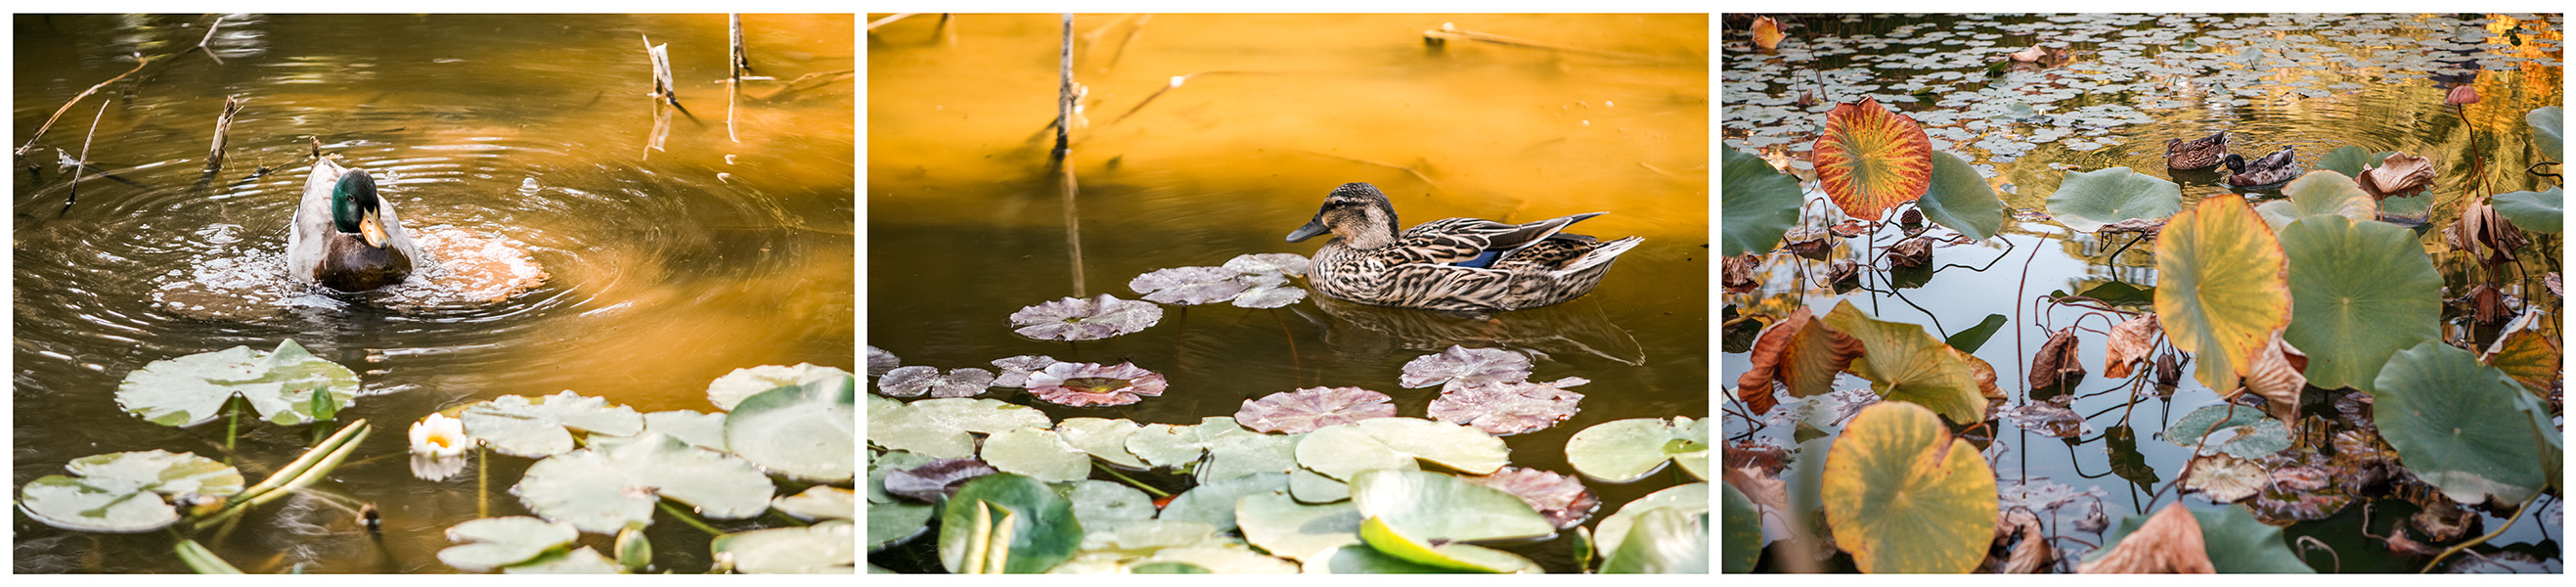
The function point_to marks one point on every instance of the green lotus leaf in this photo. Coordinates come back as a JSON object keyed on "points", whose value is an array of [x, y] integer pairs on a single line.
{"points": [[820, 502], [519, 426], [1870, 158], [1741, 545], [1131, 539], [698, 428], [1902, 498], [603, 488], [1904, 363], [1664, 540], [1043, 531], [2235, 540], [279, 384], [1959, 199], [1342, 450], [1454, 557], [1613, 530], [492, 543], [2251, 434], [2222, 287], [2087, 201], [2534, 211], [1360, 559], [2546, 124], [804, 430], [1968, 341], [1038, 453], [881, 464], [122, 493], [1214, 503], [578, 561], [2350, 160], [1166, 445], [1103, 438], [1102, 505], [2359, 291], [2319, 192], [817, 549], [940, 428], [1168, 568], [2442, 410], [1620, 451], [2117, 293], [2551, 444], [1277, 523], [1760, 202], [742, 383]]}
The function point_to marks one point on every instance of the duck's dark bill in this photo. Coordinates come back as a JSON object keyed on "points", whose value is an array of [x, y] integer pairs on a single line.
{"points": [[1312, 228]]}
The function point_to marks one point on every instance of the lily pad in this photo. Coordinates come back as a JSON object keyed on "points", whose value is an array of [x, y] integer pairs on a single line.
{"points": [[1562, 498], [2444, 413], [1504, 409], [1038, 453], [1341, 451], [1664, 540], [2250, 433], [2087, 201], [2319, 192], [2544, 212], [917, 380], [2222, 288], [578, 561], [1870, 158], [1466, 366], [1358, 559], [1760, 202], [1622, 451], [2547, 123], [540, 427], [2360, 291], [123, 492], [935, 479], [1214, 503], [1429, 506], [1165, 445], [699, 428], [1307, 409], [1094, 384], [895, 523], [1042, 530], [2350, 160], [940, 428], [603, 489], [820, 502], [802, 431], [492, 543], [1267, 263], [1959, 199], [1904, 363], [817, 549], [733, 387], [1903, 498], [1261, 453], [1016, 370], [2234, 542], [879, 362], [1689, 499], [1188, 285], [1268, 290], [1741, 544], [1102, 438], [1277, 523], [1101, 505], [279, 384], [2224, 478], [1085, 319]]}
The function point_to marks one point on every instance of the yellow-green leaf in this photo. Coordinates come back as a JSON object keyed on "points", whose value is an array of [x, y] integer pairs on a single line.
{"points": [[1870, 159], [1904, 363], [2222, 287], [1903, 498]]}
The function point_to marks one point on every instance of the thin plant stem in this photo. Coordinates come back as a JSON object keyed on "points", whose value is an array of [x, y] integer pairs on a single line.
{"points": [[482, 482], [685, 518], [1113, 472], [2508, 525]]}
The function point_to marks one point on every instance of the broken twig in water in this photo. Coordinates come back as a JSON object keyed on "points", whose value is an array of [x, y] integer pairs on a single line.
{"points": [[1451, 32], [84, 158], [139, 65], [819, 79], [1064, 102], [733, 81], [223, 130], [662, 80], [872, 27], [210, 36]]}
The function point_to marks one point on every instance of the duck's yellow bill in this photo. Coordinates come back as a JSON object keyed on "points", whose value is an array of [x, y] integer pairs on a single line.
{"points": [[372, 229]]}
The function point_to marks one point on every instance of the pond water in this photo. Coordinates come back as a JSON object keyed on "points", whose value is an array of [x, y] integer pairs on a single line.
{"points": [[967, 223], [521, 139], [2311, 83]]}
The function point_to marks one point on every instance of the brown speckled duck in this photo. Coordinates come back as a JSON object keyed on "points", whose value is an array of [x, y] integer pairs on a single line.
{"points": [[2196, 154], [1460, 265]]}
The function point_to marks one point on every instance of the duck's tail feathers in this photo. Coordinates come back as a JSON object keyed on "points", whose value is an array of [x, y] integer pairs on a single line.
{"points": [[1523, 236], [1601, 255]]}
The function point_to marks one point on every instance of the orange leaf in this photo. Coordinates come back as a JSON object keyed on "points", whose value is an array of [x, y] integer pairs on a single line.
{"points": [[1766, 33], [2168, 543], [2130, 343], [2276, 375], [1870, 159], [1799, 352]]}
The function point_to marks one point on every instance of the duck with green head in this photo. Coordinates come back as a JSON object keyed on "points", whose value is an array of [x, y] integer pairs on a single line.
{"points": [[1463, 265], [346, 238]]}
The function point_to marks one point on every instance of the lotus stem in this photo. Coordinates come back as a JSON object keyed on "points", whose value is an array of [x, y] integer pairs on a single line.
{"points": [[482, 481], [232, 424], [2508, 525], [203, 561], [684, 517], [315, 464]]}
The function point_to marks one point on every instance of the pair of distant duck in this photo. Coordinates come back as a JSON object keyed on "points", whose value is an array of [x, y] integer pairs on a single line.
{"points": [[2211, 151]]}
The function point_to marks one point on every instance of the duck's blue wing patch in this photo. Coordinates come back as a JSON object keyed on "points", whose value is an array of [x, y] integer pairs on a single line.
{"points": [[1482, 261]]}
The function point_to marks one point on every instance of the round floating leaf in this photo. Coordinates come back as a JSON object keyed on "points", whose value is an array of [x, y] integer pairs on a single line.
{"points": [[1902, 498], [1263, 453], [2546, 124], [1037, 453], [2350, 160], [1312, 487], [699, 428], [1466, 366], [1432, 506], [2250, 433], [1188, 285], [1504, 409], [940, 428], [1213, 503], [1959, 198], [1621, 451], [1106, 504], [1277, 523], [122, 492], [602, 489], [2087, 201], [2319, 192], [1268, 263], [1689, 499], [2233, 540], [280, 385], [2225, 478], [1760, 202], [1742, 542], [930, 481], [817, 549], [492, 543], [1165, 445], [820, 502], [518, 426], [1359, 559], [2360, 291], [880, 466], [1904, 363], [733, 387], [2222, 287], [1870, 158], [1664, 540], [1347, 449], [895, 523], [1562, 498], [2444, 413], [2534, 211], [579, 561], [1230, 559], [1305, 410], [1103, 438], [1043, 531], [803, 431]]}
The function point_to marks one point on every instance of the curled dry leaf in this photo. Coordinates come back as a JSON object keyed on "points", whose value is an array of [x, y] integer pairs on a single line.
{"points": [[1766, 33], [2056, 361], [2168, 543], [1851, 227], [2030, 55], [2047, 418], [1842, 272], [2465, 94], [2399, 175], [1304, 410], [1812, 243], [2277, 376], [2224, 478], [1915, 252], [2169, 369], [2032, 554], [1739, 273], [1801, 353], [2485, 236], [2130, 342], [1761, 488], [2487, 302]]}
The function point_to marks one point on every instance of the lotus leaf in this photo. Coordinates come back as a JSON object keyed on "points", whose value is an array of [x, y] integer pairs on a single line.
{"points": [[1504, 409], [2222, 287], [1960, 199], [1214, 503], [940, 428], [1904, 363], [1432, 506], [1691, 498], [1802, 354], [2225, 478], [2087, 201], [1263, 453], [1103, 438], [1138, 538], [1343, 450], [917, 380], [279, 384], [2543, 212], [1268, 263], [1226, 559], [2115, 293], [1269, 290], [936, 479], [1562, 498], [1042, 529], [122, 492], [1664, 540], [2400, 174], [1968, 341], [1307, 409], [698, 428], [1870, 159], [817, 549], [2546, 131], [1760, 202], [2255, 435], [492, 543], [1102, 505], [2232, 540], [1015, 370], [2350, 160], [1312, 487], [2552, 443], [2530, 355], [803, 431], [578, 561], [1741, 545], [2441, 409], [1466, 366], [1094, 384], [1165, 445], [2319, 193], [1277, 523], [2128, 345], [602, 489], [1902, 498], [1622, 451], [2361, 291], [820, 502], [1094, 318], [2168, 542], [540, 427], [882, 465], [733, 387], [1038, 453]]}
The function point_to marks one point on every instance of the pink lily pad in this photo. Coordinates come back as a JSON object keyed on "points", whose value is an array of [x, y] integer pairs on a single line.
{"points": [[1268, 290], [1094, 384], [1562, 498], [879, 361], [1504, 409], [935, 479], [1188, 286], [1016, 370], [913, 381], [1281, 263], [1304, 410], [1085, 319], [1466, 366]]}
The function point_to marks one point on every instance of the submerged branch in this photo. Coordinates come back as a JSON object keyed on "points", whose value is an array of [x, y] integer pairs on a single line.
{"points": [[84, 156], [223, 131]]}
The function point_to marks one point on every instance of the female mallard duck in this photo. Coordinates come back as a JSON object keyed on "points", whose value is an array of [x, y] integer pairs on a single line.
{"points": [[344, 237], [2197, 154], [2276, 168], [1453, 265]]}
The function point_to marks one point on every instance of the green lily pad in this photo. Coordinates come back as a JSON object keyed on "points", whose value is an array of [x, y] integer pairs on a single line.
{"points": [[2441, 410], [2236, 541], [578, 561], [941, 428], [1277, 523], [1760, 202], [1742, 543], [1664, 540], [698, 428], [2546, 124], [1231, 559], [2252, 435], [2117, 293], [1343, 450], [1312, 487], [1614, 529], [2319, 192], [879, 465], [2359, 292], [601, 489], [804, 431], [1214, 503], [1043, 531], [2552, 444], [743, 383], [518, 426], [1264, 453], [2534, 211], [1165, 445], [2222, 287], [1959, 199], [122, 493], [1451, 556], [895, 523], [1904, 363], [2087, 201], [280, 385], [1432, 506], [1037, 453], [2350, 160], [492, 543], [1358, 559], [1106, 504], [1132, 539], [1103, 438], [1621, 451], [1903, 498], [820, 502], [817, 549]]}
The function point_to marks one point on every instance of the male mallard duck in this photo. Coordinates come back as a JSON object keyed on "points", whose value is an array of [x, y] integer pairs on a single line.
{"points": [[1452, 265], [344, 237], [2272, 169], [2197, 154]]}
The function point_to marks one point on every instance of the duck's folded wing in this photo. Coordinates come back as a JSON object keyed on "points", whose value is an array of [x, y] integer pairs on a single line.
{"points": [[1478, 243], [312, 220], [398, 236]]}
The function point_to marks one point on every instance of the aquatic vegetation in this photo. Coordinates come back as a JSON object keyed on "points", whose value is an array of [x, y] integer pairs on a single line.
{"points": [[1504, 409], [596, 489], [2443, 410], [2546, 130], [1760, 202], [1094, 384], [508, 541], [1095, 318], [2253, 435], [1960, 199], [1188, 285], [1947, 513], [2088, 201], [2180, 539], [1016, 370], [1871, 159], [2400, 174], [933, 479], [2360, 291], [916, 380], [2542, 212], [742, 383], [540, 427], [1562, 498], [1620, 451], [801, 431], [1466, 366], [2224, 287], [125, 492], [880, 361], [1904, 363], [438, 446], [287, 386], [1304, 410], [1799, 352]]}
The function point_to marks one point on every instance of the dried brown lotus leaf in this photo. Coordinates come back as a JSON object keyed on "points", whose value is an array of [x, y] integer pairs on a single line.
{"points": [[2399, 175], [2130, 342], [2056, 360], [2276, 375], [1916, 252], [2168, 543], [2032, 555], [1801, 353], [1739, 273]]}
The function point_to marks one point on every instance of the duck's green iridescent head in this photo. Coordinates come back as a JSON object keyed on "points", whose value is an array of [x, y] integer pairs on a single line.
{"points": [[353, 207]]}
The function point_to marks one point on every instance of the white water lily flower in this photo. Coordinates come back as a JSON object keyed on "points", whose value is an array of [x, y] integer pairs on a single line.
{"points": [[439, 436]]}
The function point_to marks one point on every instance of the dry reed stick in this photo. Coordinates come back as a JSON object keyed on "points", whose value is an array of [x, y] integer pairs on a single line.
{"points": [[84, 158], [223, 130]]}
